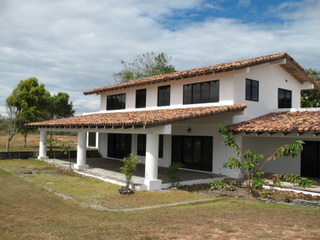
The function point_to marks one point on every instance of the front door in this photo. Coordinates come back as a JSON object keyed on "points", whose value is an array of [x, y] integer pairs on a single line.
{"points": [[194, 152], [310, 160], [119, 145]]}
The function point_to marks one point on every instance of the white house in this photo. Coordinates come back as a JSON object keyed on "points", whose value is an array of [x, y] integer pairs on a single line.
{"points": [[175, 117]]}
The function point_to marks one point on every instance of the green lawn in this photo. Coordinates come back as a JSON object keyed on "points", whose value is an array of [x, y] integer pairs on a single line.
{"points": [[28, 211]]}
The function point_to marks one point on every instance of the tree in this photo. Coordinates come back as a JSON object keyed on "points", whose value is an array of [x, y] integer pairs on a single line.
{"points": [[31, 101], [60, 106], [251, 169], [9, 123], [311, 98], [34, 103], [145, 65]]}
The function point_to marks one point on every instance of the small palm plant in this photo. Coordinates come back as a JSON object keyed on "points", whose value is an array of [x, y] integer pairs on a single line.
{"points": [[129, 166]]}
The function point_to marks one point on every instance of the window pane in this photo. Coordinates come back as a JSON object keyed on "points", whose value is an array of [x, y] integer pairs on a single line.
{"points": [[187, 94], [284, 98], [117, 101], [141, 95], [196, 93], [214, 91], [205, 92], [248, 90], [160, 154], [141, 145], [164, 96], [255, 91], [252, 90]]}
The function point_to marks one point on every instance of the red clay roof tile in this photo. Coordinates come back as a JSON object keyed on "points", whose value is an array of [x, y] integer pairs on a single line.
{"points": [[293, 68], [285, 122], [147, 118]]}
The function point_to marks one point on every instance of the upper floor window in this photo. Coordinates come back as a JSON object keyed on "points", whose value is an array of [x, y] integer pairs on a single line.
{"points": [[141, 95], [252, 90], [164, 95], [202, 92], [117, 101], [284, 98]]}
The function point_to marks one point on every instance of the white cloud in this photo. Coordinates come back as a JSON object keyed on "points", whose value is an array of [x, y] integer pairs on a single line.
{"points": [[76, 45], [244, 3]]}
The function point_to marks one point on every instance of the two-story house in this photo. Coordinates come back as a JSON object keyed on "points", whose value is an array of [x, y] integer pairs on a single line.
{"points": [[175, 117]]}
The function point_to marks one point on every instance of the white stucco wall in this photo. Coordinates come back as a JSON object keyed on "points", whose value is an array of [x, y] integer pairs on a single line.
{"points": [[266, 146], [270, 77]]}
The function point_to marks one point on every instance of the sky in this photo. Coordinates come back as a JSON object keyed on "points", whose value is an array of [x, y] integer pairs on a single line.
{"points": [[76, 45]]}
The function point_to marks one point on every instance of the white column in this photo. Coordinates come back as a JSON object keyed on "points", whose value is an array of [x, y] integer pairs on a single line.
{"points": [[43, 145], [151, 166], [81, 151]]}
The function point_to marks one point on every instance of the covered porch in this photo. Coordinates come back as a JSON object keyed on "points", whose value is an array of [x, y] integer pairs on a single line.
{"points": [[108, 170], [150, 123]]}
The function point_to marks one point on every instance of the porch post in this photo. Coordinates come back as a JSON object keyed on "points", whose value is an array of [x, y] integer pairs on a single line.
{"points": [[81, 151], [42, 145], [151, 166]]}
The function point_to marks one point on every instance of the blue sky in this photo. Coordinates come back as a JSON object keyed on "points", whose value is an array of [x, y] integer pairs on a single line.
{"points": [[75, 45]]}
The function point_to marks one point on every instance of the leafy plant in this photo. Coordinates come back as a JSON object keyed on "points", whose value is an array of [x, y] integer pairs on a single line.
{"points": [[66, 147], [251, 169], [173, 171], [292, 178], [129, 165]]}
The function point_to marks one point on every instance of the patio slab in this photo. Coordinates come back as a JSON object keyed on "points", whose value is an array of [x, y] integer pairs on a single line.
{"points": [[105, 168]]}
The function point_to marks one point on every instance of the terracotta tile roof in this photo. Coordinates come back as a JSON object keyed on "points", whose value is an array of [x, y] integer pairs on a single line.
{"points": [[137, 118], [285, 122], [290, 66]]}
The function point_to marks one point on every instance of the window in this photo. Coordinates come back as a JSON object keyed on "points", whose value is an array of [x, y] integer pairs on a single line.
{"points": [[203, 92], [194, 152], [141, 145], [141, 95], [92, 139], [117, 101], [119, 145], [160, 154], [284, 98], [164, 95], [252, 90]]}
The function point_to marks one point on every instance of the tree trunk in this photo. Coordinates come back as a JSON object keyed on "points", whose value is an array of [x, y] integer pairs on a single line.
{"points": [[25, 134], [9, 138], [51, 133]]}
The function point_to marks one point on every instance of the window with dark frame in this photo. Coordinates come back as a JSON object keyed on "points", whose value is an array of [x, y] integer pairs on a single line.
{"points": [[117, 101], [160, 154], [252, 90], [164, 95], [141, 144], [284, 98], [202, 92], [92, 139], [141, 95]]}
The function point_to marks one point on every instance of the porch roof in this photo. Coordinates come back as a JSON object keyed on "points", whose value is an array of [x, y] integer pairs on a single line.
{"points": [[136, 119], [299, 122], [286, 62]]}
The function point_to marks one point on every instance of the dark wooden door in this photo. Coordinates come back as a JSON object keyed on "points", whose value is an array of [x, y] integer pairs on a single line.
{"points": [[310, 160]]}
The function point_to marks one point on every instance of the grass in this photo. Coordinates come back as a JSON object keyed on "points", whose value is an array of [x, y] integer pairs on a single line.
{"points": [[29, 212], [16, 143], [93, 191]]}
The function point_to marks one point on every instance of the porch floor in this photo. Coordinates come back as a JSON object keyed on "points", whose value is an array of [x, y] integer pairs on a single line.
{"points": [[110, 168]]}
